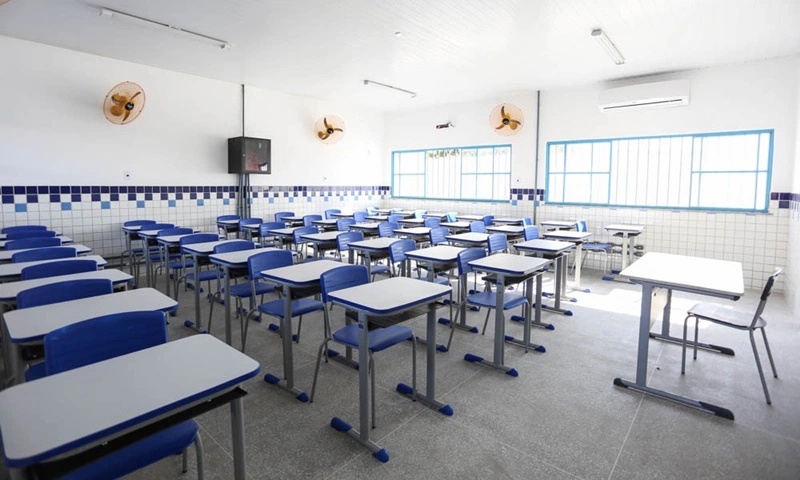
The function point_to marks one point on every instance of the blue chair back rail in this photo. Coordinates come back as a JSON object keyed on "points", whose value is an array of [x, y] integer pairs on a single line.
{"points": [[432, 222], [46, 253], [37, 242], [264, 228], [394, 218], [308, 219], [138, 223], [234, 246], [497, 243], [21, 228], [279, 216], [343, 224], [397, 252], [530, 232], [55, 269], [329, 213], [360, 217], [249, 221], [168, 232], [63, 292], [438, 236], [343, 241], [488, 220], [477, 227], [385, 229], [30, 234]]}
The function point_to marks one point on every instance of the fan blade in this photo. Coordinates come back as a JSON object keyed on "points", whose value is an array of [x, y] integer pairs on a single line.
{"points": [[323, 135], [127, 114], [118, 99], [134, 96], [325, 122], [500, 127], [116, 110], [503, 111], [514, 124], [338, 130]]}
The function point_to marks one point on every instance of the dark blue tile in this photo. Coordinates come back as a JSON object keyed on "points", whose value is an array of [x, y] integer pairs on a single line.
{"points": [[95, 197], [105, 189], [64, 189], [8, 198], [783, 204], [43, 189], [519, 196], [148, 196], [192, 196], [219, 194], [785, 196], [19, 190], [171, 190], [285, 194], [75, 189], [94, 189], [86, 189], [139, 190], [75, 197], [179, 196], [206, 195], [8, 191], [146, 189], [114, 189], [33, 199], [131, 196], [115, 197], [192, 189], [30, 190], [55, 198], [165, 196]]}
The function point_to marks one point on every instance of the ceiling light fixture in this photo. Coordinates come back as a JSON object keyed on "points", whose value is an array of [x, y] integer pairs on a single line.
{"points": [[107, 12], [372, 82], [608, 46]]}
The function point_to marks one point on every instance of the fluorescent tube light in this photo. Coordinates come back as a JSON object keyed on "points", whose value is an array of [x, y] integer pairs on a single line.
{"points": [[372, 82], [107, 12], [608, 46]]}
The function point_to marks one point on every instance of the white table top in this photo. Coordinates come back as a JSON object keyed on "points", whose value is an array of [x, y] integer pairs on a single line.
{"points": [[378, 218], [373, 244], [509, 220], [251, 226], [64, 240], [469, 237], [364, 226], [133, 228], [415, 231], [172, 239], [434, 215], [455, 224], [322, 237], [5, 255], [4, 236], [342, 215], [30, 325], [292, 218], [694, 274], [618, 227], [301, 274], [544, 246], [325, 222], [9, 291], [439, 253], [568, 235], [471, 218], [228, 222], [411, 221], [559, 223], [238, 258], [389, 296], [507, 229], [152, 233], [108, 396], [283, 232], [204, 248], [508, 264], [15, 269]]}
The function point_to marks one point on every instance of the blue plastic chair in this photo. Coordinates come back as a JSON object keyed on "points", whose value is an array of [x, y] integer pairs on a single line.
{"points": [[379, 338], [432, 222], [372, 210], [438, 236], [46, 253], [279, 216], [530, 232], [307, 219], [233, 246], [385, 229], [420, 213], [329, 213], [299, 242], [225, 227], [174, 253], [134, 237], [254, 287], [22, 228], [103, 338], [149, 245], [343, 241], [300, 307], [497, 243], [394, 218], [265, 238], [343, 224], [526, 221], [37, 242], [185, 264], [596, 248], [55, 269], [360, 217], [488, 220], [30, 234], [477, 227], [451, 216], [249, 221]]}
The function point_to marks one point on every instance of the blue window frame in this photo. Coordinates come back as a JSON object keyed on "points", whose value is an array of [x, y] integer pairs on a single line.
{"points": [[478, 173], [704, 171]]}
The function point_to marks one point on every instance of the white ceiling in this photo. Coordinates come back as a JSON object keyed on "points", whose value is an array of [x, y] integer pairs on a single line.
{"points": [[450, 50]]}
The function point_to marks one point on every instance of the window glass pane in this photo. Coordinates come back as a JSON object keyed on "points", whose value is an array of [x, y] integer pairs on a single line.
{"points": [[555, 190], [485, 160], [579, 157], [502, 160], [599, 189], [761, 200], [727, 190], [601, 154], [576, 188], [763, 151], [468, 187], [469, 161], [557, 157], [484, 190], [501, 187]]}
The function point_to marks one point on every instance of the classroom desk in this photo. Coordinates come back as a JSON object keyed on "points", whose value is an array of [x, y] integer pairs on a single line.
{"points": [[628, 234], [556, 251], [558, 224], [149, 235], [342, 215], [322, 241], [199, 253], [471, 218], [302, 277], [293, 221], [418, 234], [225, 224], [368, 248], [98, 403], [249, 229], [326, 224], [64, 241], [469, 239], [28, 326], [10, 272], [378, 218], [164, 244], [508, 221], [440, 216], [412, 222], [390, 297], [368, 229], [404, 213], [383, 211], [9, 291], [578, 239], [513, 232], [5, 255], [284, 236], [456, 227], [506, 265], [129, 232], [703, 276]]}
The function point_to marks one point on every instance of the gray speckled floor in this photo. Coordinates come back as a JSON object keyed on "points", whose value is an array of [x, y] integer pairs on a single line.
{"points": [[561, 418]]}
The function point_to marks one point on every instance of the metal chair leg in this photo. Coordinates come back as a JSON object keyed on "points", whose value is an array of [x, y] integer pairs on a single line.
{"points": [[486, 322], [696, 336], [760, 370], [316, 369], [184, 461], [372, 381], [769, 353], [199, 453], [683, 345]]}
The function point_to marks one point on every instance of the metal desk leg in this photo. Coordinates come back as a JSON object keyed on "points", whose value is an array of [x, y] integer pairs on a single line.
{"points": [[625, 240], [559, 280], [666, 337], [166, 269], [461, 314], [641, 365], [147, 263], [237, 431], [499, 335], [526, 336], [228, 334], [288, 359], [197, 324]]}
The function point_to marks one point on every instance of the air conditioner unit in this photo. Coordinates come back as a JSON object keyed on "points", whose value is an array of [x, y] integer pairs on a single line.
{"points": [[673, 93]]}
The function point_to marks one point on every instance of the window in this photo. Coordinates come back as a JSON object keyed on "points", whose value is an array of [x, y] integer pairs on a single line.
{"points": [[462, 173], [724, 171]]}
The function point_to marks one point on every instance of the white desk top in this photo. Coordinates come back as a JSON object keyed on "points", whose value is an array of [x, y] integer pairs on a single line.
{"points": [[322, 237], [9, 291], [99, 401], [5, 255], [251, 226], [325, 222], [342, 215], [389, 296], [507, 229], [283, 232], [508, 264], [293, 218], [618, 227], [228, 222], [439, 253], [568, 235], [172, 239], [411, 221], [378, 218], [152, 233], [559, 223], [434, 215], [4, 236], [693, 274], [364, 226], [64, 240], [203, 248], [455, 224], [415, 231], [544, 246], [509, 220], [373, 244], [238, 258], [471, 218], [301, 274], [15, 269], [30, 325], [469, 237]]}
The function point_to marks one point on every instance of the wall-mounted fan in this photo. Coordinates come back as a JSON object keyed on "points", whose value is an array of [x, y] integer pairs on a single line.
{"points": [[124, 103], [506, 119], [330, 129]]}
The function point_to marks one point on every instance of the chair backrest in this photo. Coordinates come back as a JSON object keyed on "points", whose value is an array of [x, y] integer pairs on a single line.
{"points": [[54, 269], [581, 226], [372, 211], [46, 253], [167, 232], [765, 294], [199, 238], [360, 217], [280, 215], [343, 240], [438, 235], [22, 228], [223, 218], [299, 232], [526, 221], [466, 256], [234, 246], [451, 216], [38, 242], [64, 291], [420, 213], [398, 249], [394, 218], [264, 228], [488, 220], [138, 223], [30, 234], [343, 224], [385, 229], [329, 213], [307, 219], [159, 226], [267, 261], [250, 221], [102, 338], [342, 277], [432, 222], [531, 232], [477, 226], [497, 243]]}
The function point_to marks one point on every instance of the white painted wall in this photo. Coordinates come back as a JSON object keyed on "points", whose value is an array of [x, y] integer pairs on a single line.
{"points": [[792, 252]]}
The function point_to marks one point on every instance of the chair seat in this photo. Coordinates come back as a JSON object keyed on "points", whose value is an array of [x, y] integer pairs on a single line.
{"points": [[35, 371], [375, 269], [598, 247], [140, 454], [179, 265], [725, 315], [300, 306], [243, 289], [488, 299], [205, 275], [379, 339]]}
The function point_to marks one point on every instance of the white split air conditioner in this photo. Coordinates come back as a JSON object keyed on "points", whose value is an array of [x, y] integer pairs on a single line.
{"points": [[673, 93]]}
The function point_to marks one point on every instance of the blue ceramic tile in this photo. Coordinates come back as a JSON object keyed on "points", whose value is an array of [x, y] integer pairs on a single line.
{"points": [[8, 190], [199, 202], [271, 199], [105, 205], [115, 197], [179, 196], [94, 189], [785, 196], [513, 203], [105, 189], [20, 207], [8, 199], [131, 196], [86, 189], [164, 196], [75, 197], [66, 206], [291, 199], [55, 198], [206, 195], [226, 201], [19, 190], [95, 196], [171, 203], [140, 204], [148, 196], [33, 198], [783, 204], [774, 195]]}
